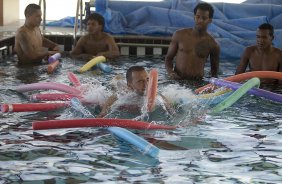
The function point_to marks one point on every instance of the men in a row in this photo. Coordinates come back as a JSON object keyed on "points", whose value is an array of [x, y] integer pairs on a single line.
{"points": [[31, 46], [191, 47]]}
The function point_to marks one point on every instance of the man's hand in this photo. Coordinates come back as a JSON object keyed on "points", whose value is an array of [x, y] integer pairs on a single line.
{"points": [[174, 76], [57, 48]]}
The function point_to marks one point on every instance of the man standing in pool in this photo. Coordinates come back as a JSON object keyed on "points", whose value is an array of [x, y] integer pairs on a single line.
{"points": [[262, 56], [192, 47], [30, 45], [96, 42]]}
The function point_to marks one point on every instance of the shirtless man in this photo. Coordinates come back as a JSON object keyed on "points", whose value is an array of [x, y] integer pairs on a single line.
{"points": [[96, 42], [137, 81], [262, 56], [192, 47], [30, 45]]}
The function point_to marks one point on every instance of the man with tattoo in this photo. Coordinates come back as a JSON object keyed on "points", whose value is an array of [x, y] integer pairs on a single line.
{"points": [[30, 45]]}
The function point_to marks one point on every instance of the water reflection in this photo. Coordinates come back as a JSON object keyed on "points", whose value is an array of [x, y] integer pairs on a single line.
{"points": [[240, 145]]}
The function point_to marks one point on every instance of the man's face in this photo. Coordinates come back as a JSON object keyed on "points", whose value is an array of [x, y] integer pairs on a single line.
{"points": [[139, 82], [264, 40], [93, 27], [201, 19], [35, 18]]}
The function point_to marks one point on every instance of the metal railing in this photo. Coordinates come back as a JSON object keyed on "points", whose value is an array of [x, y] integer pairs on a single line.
{"points": [[79, 7], [44, 13]]}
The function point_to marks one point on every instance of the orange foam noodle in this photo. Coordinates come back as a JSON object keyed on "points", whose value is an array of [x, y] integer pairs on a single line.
{"points": [[152, 89], [52, 66], [245, 76]]}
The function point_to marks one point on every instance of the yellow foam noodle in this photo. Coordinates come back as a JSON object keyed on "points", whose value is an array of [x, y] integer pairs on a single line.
{"points": [[215, 94], [91, 63]]}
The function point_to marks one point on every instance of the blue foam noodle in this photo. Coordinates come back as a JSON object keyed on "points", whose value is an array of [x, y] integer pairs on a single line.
{"points": [[104, 67], [144, 146]]}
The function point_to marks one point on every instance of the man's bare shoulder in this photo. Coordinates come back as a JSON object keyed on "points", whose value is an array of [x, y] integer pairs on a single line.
{"points": [[21, 30], [183, 31], [211, 38], [84, 38], [250, 49], [277, 50], [22, 35], [179, 34], [108, 37]]}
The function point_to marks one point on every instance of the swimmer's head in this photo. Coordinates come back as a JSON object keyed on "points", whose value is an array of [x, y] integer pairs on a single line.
{"points": [[95, 20], [137, 79], [204, 7], [264, 35], [33, 14]]}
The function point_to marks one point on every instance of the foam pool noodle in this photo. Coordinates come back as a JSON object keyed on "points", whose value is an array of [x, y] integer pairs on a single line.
{"points": [[105, 68], [54, 57], [142, 145], [91, 63]]}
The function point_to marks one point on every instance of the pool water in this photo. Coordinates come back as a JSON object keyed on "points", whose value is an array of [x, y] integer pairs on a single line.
{"points": [[242, 144]]}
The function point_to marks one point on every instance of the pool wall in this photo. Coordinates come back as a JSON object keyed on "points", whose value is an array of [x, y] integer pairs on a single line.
{"points": [[129, 45]]}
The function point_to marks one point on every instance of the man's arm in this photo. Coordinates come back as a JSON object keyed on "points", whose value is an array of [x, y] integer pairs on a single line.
{"points": [[280, 62], [214, 59], [107, 106], [245, 58], [168, 105], [113, 51], [171, 53], [49, 44]]}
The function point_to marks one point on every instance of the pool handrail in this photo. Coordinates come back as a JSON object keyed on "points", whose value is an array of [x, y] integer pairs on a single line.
{"points": [[44, 13]]}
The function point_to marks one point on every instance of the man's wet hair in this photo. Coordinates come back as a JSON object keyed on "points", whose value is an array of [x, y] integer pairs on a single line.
{"points": [[131, 70], [204, 7], [31, 8], [267, 26], [97, 17]]}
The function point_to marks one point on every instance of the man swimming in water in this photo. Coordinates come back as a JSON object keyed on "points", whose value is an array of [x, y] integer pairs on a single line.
{"points": [[192, 47], [137, 80]]}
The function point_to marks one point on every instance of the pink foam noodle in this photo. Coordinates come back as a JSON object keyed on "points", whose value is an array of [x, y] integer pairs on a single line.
{"points": [[48, 86], [98, 122], [74, 80], [31, 107], [53, 97], [152, 89]]}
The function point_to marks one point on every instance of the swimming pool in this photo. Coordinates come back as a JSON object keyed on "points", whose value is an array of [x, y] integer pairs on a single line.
{"points": [[241, 145]]}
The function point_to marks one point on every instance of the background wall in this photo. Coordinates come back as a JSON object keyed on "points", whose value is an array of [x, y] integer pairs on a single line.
{"points": [[6, 15], [55, 9], [13, 10], [58, 9]]}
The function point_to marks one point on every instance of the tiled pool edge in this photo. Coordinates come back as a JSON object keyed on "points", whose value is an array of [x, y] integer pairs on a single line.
{"points": [[129, 45]]}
